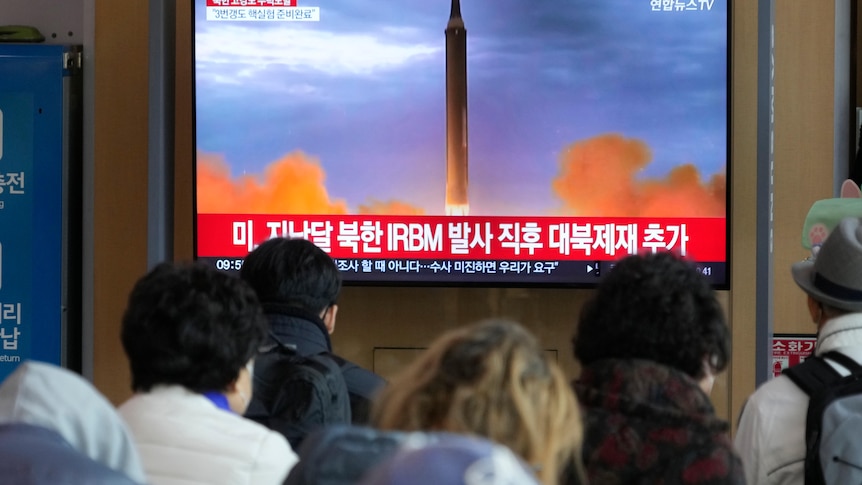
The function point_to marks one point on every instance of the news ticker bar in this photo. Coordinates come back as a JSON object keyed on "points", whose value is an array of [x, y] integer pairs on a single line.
{"points": [[478, 272]]}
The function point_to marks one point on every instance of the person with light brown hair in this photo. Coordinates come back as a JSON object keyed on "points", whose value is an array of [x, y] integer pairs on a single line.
{"points": [[492, 380]]}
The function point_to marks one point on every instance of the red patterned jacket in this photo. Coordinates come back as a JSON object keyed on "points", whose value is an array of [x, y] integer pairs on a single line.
{"points": [[647, 423]]}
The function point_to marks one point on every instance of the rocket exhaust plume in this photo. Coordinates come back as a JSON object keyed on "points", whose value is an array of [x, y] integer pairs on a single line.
{"points": [[600, 177], [292, 184], [456, 113]]}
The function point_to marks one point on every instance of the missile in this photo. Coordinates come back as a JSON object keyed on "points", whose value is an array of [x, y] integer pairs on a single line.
{"points": [[457, 202]]}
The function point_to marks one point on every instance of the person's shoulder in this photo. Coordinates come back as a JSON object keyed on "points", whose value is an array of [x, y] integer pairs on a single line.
{"points": [[205, 423], [272, 452], [776, 391], [156, 400], [242, 429], [776, 406], [34, 454], [719, 463], [359, 380], [271, 442], [134, 408]]}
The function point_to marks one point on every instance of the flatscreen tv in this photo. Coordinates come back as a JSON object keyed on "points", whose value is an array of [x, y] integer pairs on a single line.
{"points": [[440, 142]]}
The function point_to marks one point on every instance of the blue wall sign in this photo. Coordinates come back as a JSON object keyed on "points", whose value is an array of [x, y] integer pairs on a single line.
{"points": [[32, 167]]}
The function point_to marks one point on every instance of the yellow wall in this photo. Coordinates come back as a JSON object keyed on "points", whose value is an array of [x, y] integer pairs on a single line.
{"points": [[739, 379], [804, 142], [120, 179], [408, 317]]}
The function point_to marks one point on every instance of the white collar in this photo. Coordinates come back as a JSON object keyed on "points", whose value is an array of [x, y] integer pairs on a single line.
{"points": [[840, 332]]}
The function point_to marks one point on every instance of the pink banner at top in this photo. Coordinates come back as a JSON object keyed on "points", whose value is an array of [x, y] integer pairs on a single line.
{"points": [[251, 3]]}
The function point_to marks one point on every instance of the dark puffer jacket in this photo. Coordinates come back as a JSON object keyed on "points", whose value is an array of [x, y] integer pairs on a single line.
{"points": [[308, 334]]}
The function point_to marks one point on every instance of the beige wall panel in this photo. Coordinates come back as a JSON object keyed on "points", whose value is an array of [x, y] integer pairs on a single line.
{"points": [[371, 317], [743, 182], [120, 173], [184, 141], [804, 142]]}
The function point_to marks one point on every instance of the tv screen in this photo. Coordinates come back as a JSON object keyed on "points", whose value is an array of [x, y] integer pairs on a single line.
{"points": [[478, 142]]}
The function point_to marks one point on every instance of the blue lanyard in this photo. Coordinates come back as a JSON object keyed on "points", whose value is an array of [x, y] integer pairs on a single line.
{"points": [[219, 400]]}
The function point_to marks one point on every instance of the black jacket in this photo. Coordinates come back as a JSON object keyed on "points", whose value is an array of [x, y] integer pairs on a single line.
{"points": [[306, 331]]}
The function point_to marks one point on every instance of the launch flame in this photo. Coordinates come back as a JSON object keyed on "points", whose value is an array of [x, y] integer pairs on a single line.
{"points": [[598, 177], [293, 184]]}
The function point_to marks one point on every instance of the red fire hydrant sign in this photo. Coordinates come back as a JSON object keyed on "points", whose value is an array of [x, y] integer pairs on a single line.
{"points": [[790, 349]]}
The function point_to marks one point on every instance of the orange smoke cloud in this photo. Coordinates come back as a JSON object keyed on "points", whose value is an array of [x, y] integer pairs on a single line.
{"points": [[294, 184], [598, 177], [390, 207]]}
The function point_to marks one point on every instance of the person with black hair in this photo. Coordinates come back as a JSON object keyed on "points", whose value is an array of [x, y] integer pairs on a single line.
{"points": [[298, 284], [650, 342], [191, 334]]}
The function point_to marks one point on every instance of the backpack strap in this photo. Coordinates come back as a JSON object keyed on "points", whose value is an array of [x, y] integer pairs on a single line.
{"points": [[814, 376], [277, 344], [845, 361]]}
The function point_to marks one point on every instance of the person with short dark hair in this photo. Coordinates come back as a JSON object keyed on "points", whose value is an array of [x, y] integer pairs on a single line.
{"points": [[191, 334], [650, 342], [298, 284]]}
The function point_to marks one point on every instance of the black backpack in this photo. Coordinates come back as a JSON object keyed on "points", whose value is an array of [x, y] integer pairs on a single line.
{"points": [[834, 421], [295, 394]]}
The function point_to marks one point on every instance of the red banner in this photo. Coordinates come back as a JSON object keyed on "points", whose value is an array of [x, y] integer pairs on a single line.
{"points": [[789, 350], [467, 237]]}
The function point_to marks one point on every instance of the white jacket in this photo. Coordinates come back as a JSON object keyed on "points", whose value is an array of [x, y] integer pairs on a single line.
{"points": [[771, 434], [62, 401], [184, 439]]}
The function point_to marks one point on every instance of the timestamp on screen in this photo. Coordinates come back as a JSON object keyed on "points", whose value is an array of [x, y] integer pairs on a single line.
{"points": [[705, 270], [228, 264]]}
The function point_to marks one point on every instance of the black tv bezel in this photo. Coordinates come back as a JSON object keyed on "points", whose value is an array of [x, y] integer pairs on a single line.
{"points": [[722, 284]]}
